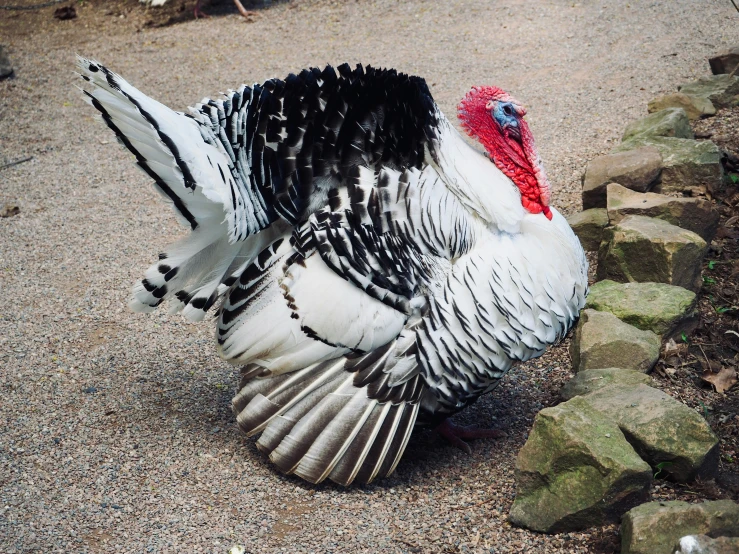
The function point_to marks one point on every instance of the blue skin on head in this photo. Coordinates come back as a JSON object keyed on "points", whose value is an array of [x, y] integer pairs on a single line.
{"points": [[506, 115]]}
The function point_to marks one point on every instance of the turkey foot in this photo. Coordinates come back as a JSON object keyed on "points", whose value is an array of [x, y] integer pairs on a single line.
{"points": [[239, 6], [456, 434], [198, 12]]}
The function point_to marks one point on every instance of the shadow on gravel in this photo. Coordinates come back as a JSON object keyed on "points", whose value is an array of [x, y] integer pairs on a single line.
{"points": [[196, 406]]}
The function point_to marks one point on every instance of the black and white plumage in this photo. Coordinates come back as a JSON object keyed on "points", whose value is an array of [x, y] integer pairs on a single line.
{"points": [[369, 269]]}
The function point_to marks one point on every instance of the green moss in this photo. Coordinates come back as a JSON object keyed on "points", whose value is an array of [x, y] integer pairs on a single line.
{"points": [[574, 465], [670, 122], [656, 307], [594, 379]]}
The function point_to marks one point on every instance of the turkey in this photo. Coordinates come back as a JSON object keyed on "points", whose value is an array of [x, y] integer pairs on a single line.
{"points": [[197, 12], [368, 269]]}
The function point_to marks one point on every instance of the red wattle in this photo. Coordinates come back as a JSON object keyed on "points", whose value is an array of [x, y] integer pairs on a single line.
{"points": [[516, 158]]}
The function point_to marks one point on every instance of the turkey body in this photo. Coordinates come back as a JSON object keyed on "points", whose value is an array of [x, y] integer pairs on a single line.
{"points": [[368, 269]]}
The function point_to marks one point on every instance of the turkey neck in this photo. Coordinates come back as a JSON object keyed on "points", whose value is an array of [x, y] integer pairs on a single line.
{"points": [[483, 189]]}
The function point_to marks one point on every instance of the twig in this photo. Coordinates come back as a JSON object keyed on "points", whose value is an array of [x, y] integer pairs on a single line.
{"points": [[706, 357], [16, 162], [736, 8], [34, 6]]}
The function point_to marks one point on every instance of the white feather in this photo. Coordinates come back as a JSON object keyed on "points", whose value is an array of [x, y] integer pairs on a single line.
{"points": [[490, 284]]}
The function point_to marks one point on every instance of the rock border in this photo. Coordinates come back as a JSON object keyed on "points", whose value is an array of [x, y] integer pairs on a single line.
{"points": [[644, 215]]}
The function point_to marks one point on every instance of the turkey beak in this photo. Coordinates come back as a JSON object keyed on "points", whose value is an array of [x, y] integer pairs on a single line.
{"points": [[514, 132], [513, 129]]}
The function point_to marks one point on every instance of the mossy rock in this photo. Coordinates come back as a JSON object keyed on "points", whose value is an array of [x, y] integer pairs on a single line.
{"points": [[670, 122], [576, 470], [694, 214], [588, 225], [655, 527], [686, 164], [603, 340], [637, 169], [703, 544], [721, 90], [725, 62], [695, 107], [592, 380], [663, 309], [646, 249], [673, 438]]}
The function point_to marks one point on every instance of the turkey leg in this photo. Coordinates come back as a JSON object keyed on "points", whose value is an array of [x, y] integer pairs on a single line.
{"points": [[456, 434], [198, 12], [239, 6]]}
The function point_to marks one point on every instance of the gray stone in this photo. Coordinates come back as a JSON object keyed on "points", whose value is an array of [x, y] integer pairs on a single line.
{"points": [[575, 471], [725, 62], [655, 527], [695, 107], [645, 249], [670, 122], [672, 438], [636, 169], [662, 309], [694, 214], [9, 210], [703, 544], [591, 380], [721, 90], [687, 165], [588, 226], [603, 340], [6, 69]]}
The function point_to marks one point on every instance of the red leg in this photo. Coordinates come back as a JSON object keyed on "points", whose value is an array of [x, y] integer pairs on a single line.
{"points": [[198, 12], [456, 434]]}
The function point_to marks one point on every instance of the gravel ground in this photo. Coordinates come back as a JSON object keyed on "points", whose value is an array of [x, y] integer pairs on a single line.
{"points": [[117, 431]]}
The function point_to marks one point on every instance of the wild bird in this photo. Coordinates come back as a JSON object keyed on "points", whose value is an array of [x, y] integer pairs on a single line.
{"points": [[368, 268], [197, 11]]}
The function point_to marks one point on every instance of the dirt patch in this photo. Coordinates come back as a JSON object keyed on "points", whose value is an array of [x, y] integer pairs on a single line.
{"points": [[98, 541], [290, 519], [100, 335]]}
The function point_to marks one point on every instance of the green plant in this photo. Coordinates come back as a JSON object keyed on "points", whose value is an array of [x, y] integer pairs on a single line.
{"points": [[660, 466], [734, 178], [712, 264], [684, 337], [705, 410], [708, 281]]}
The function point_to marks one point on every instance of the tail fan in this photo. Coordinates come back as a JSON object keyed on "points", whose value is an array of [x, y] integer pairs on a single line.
{"points": [[344, 419], [192, 174]]}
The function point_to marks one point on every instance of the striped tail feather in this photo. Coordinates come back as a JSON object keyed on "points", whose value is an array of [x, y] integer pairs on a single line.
{"points": [[322, 421], [196, 271], [163, 141], [194, 177]]}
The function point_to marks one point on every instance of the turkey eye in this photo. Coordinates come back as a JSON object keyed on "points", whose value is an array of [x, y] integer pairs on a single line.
{"points": [[507, 110]]}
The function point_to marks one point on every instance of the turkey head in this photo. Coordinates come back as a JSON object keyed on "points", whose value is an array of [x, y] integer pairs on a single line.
{"points": [[494, 118]]}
